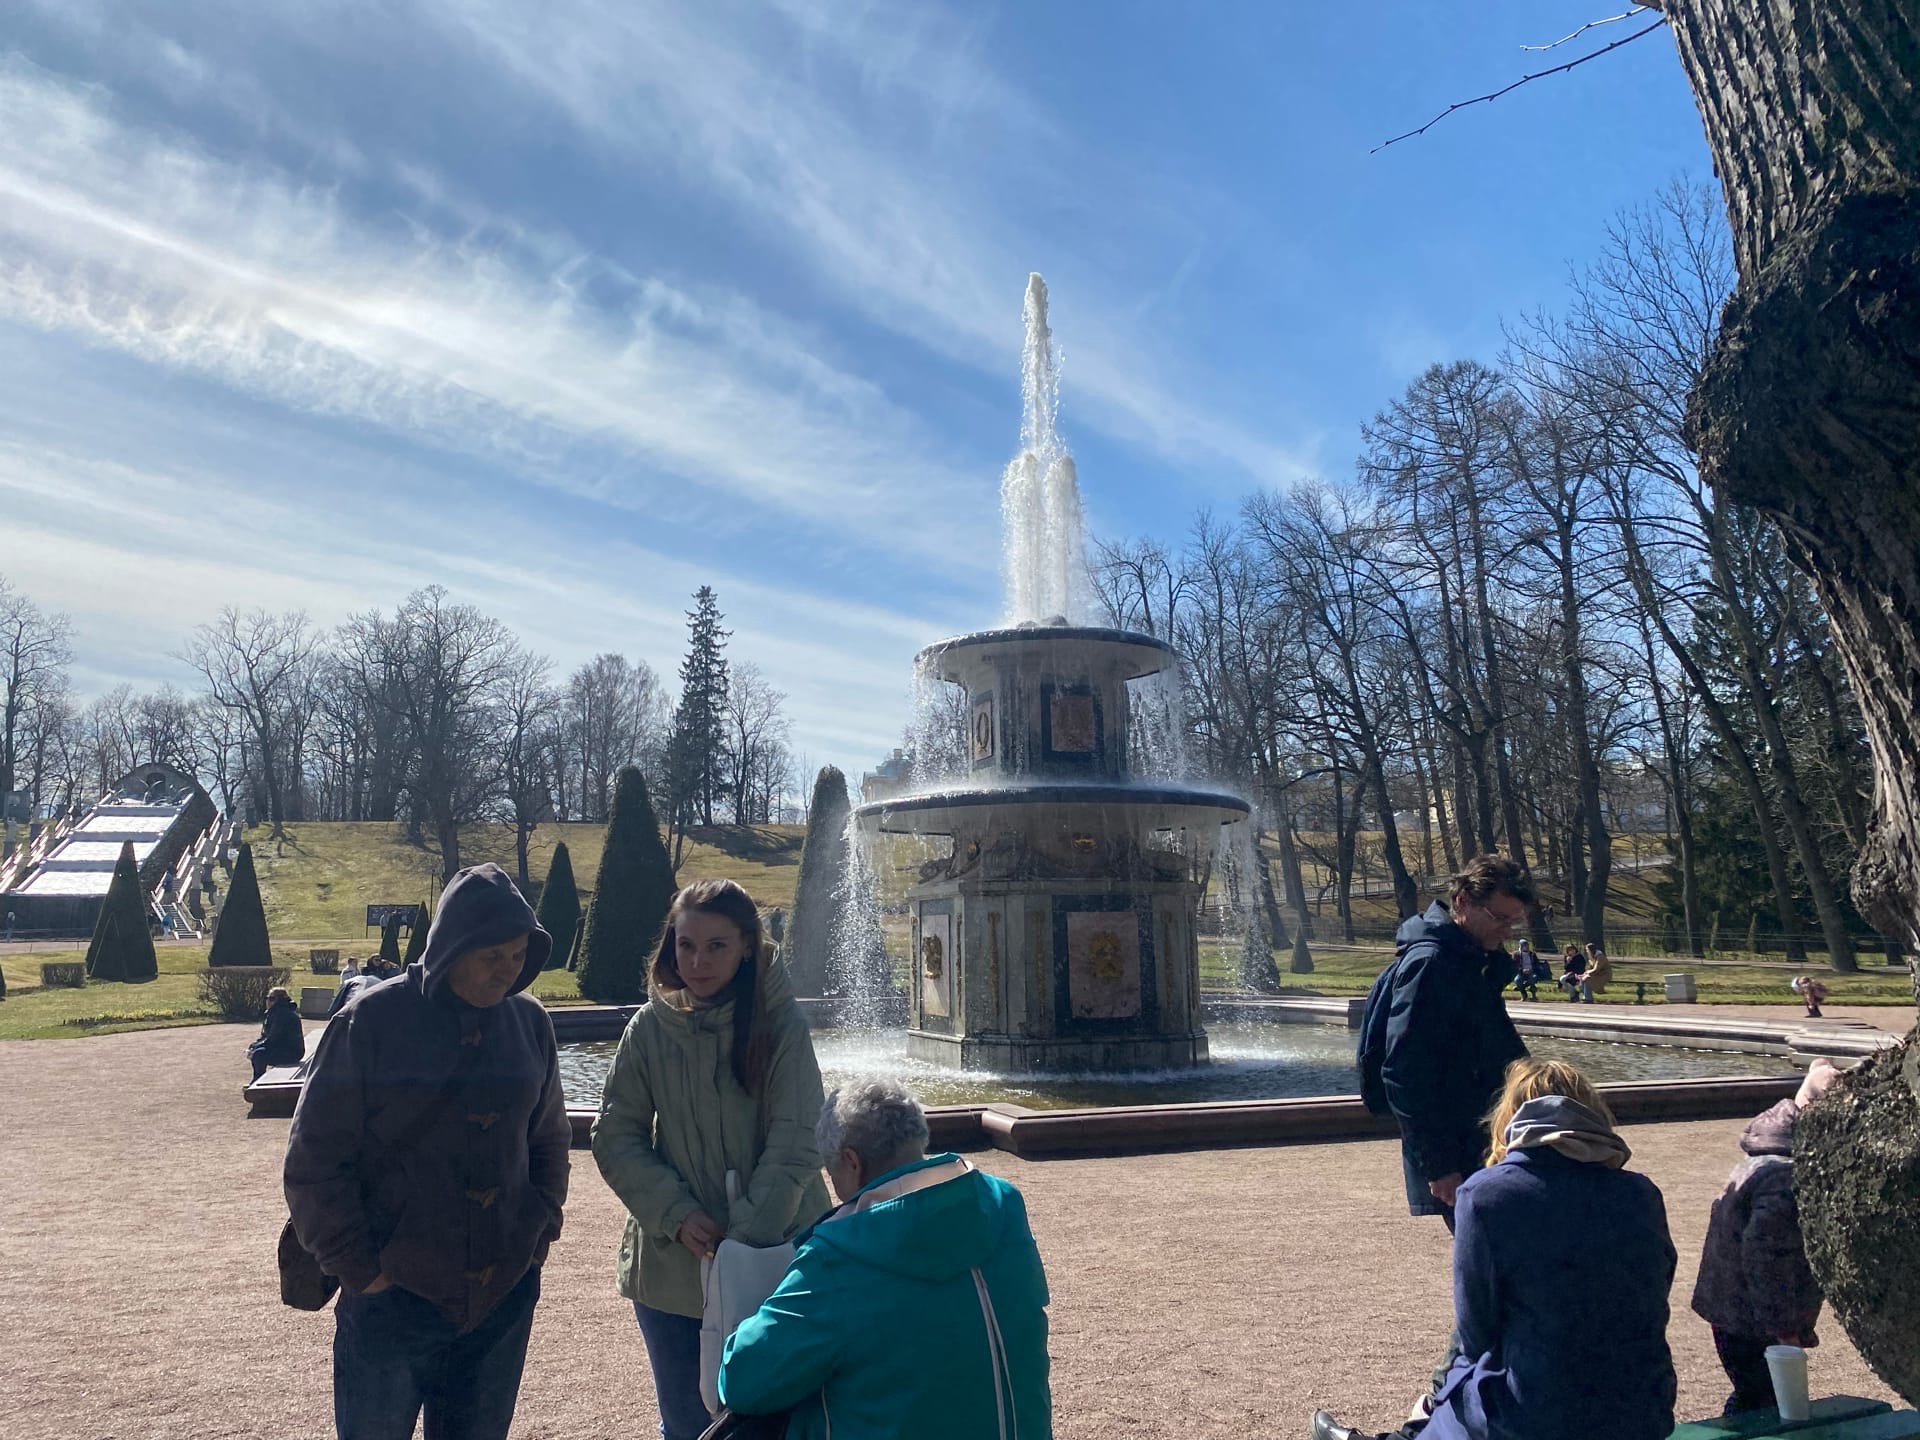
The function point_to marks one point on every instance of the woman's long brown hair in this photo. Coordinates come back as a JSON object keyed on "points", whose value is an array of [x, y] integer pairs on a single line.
{"points": [[729, 901]]}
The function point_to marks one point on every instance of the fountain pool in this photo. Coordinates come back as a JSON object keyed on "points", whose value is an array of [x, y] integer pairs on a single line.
{"points": [[1250, 1061]]}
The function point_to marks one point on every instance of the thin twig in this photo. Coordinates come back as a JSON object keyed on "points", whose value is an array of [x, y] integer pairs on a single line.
{"points": [[1590, 25], [1524, 79]]}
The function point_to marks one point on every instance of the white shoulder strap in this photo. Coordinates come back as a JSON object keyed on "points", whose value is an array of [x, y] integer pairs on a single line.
{"points": [[997, 1352]]}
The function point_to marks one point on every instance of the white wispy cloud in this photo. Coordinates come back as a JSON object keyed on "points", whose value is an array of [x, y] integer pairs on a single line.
{"points": [[138, 554], [472, 341], [888, 203]]}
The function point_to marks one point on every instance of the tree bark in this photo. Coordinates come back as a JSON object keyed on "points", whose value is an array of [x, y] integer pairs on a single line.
{"points": [[1810, 405], [1810, 409]]}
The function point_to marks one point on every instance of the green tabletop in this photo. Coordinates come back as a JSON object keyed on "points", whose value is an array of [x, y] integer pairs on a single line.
{"points": [[1834, 1410]]}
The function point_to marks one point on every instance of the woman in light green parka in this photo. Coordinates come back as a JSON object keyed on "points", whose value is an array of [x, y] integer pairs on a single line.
{"points": [[715, 1073]]}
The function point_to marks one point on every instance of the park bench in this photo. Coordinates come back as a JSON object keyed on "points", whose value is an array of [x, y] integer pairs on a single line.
{"points": [[68, 974], [1838, 1417]]}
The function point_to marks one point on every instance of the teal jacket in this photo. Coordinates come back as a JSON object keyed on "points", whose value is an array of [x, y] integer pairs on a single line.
{"points": [[879, 1326]]}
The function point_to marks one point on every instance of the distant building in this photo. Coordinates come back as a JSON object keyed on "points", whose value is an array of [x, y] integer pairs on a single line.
{"points": [[889, 778]]}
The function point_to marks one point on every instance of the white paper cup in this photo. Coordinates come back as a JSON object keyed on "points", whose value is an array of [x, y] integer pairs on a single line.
{"points": [[1788, 1366]]}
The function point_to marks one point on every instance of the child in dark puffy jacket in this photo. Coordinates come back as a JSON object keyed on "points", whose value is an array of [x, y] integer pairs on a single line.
{"points": [[1755, 1287]]}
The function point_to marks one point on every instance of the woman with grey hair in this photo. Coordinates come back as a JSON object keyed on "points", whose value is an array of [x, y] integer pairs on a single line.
{"points": [[923, 1246]]}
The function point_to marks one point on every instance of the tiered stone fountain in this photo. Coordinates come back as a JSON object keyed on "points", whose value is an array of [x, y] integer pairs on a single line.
{"points": [[1059, 933]]}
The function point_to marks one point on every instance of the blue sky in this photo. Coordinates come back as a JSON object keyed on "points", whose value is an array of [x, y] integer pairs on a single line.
{"points": [[574, 306]]}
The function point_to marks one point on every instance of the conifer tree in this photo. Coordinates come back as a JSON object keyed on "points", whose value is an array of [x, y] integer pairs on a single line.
{"points": [[1302, 962], [417, 936], [697, 746], [241, 936], [122, 946], [631, 896], [390, 938], [560, 906]]}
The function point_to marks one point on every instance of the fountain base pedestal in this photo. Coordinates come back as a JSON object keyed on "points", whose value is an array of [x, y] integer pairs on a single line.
{"points": [[1018, 1055]]}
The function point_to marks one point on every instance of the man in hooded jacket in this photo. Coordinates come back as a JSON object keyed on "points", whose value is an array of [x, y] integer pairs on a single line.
{"points": [[427, 1168], [918, 1308]]}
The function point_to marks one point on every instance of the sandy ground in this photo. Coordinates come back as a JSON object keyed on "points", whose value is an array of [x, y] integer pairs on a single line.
{"points": [[1217, 1294]]}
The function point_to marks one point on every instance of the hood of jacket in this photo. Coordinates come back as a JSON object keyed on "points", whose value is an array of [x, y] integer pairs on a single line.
{"points": [[1555, 1122], [932, 1220], [481, 906], [1771, 1131]]}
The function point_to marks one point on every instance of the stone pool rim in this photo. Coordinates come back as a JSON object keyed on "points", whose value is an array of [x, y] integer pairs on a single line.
{"points": [[1195, 1125]]}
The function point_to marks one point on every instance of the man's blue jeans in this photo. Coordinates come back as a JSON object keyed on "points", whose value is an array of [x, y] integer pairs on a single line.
{"points": [[673, 1349], [395, 1354]]}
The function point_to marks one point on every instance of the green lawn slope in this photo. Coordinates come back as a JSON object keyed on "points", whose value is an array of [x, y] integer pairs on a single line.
{"points": [[317, 884]]}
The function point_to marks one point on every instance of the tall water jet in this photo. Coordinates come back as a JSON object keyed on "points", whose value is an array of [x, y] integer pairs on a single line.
{"points": [[1059, 930], [1040, 492]]}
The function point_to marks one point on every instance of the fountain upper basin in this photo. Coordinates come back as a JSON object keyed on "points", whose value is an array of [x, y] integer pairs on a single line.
{"points": [[1121, 654], [1095, 806]]}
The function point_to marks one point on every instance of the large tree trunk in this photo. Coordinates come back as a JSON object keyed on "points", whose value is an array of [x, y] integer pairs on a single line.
{"points": [[1810, 410], [1810, 406]]}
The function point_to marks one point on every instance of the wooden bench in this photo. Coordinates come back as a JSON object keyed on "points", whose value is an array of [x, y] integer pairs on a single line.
{"points": [[1837, 1417]]}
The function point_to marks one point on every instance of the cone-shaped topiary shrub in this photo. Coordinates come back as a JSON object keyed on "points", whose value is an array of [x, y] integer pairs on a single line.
{"points": [[241, 936], [1302, 962], [631, 897], [560, 906], [390, 939], [122, 946], [416, 937], [820, 888]]}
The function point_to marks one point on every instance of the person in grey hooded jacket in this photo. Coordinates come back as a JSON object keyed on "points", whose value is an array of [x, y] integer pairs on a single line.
{"points": [[427, 1167], [1755, 1287]]}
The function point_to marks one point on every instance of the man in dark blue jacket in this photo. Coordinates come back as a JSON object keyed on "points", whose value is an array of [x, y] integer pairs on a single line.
{"points": [[427, 1167], [1449, 1038], [1438, 1021]]}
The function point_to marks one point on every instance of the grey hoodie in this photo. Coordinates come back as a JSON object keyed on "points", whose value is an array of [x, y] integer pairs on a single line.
{"points": [[1563, 1124], [461, 1216]]}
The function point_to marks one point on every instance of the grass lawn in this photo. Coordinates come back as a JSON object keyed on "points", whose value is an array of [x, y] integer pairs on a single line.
{"points": [[32, 1012], [316, 885], [1343, 970], [321, 880]]}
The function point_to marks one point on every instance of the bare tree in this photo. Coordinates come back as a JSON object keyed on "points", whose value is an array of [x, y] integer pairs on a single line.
{"points": [[34, 655], [447, 664], [526, 708], [163, 730], [757, 731], [255, 664]]}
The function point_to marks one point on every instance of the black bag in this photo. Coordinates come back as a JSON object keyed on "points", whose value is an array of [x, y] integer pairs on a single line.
{"points": [[303, 1284], [729, 1426], [1371, 1053]]}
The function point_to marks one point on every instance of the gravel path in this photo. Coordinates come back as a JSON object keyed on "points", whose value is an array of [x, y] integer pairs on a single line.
{"points": [[1222, 1294]]}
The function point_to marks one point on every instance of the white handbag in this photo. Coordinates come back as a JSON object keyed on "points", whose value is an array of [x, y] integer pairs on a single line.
{"points": [[735, 1283]]}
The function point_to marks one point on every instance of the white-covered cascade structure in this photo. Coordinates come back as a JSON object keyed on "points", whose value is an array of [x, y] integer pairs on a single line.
{"points": [[56, 883]]}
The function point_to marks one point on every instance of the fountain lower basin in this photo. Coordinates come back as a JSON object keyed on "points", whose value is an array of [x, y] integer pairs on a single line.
{"points": [[1250, 1061]]}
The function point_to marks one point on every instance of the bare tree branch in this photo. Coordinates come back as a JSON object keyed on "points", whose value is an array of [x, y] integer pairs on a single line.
{"points": [[1590, 25], [1524, 79]]}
